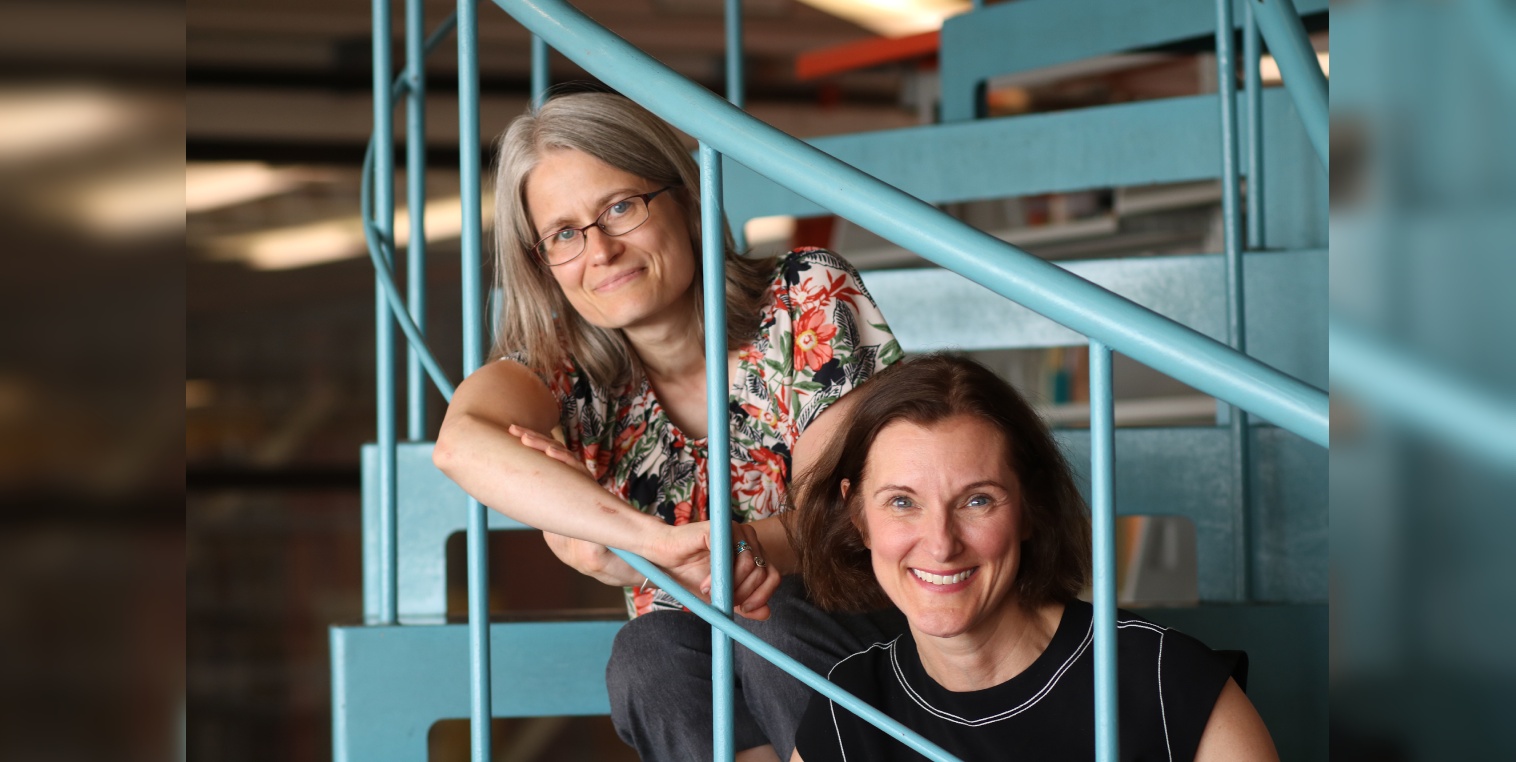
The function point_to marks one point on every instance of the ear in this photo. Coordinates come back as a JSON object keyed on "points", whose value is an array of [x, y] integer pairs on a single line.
{"points": [[845, 485]]}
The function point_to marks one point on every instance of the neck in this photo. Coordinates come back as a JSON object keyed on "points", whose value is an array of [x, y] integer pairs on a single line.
{"points": [[993, 652], [670, 352]]}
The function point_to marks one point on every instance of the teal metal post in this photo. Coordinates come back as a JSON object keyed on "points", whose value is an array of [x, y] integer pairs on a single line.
{"points": [[1252, 88], [735, 92], [1231, 212], [1303, 78], [540, 75], [1103, 534], [473, 347], [718, 455], [415, 202], [384, 330]]}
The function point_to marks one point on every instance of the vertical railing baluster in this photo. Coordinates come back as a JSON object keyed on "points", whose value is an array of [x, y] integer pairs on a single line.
{"points": [[719, 459], [415, 203], [540, 75], [1252, 87], [473, 346], [1231, 229], [1103, 550], [713, 246], [735, 92], [384, 330]]}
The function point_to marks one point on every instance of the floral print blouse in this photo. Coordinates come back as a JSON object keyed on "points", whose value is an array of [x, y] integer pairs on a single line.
{"points": [[821, 335]]}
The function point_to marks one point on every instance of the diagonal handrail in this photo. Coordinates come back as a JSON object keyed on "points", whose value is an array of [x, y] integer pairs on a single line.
{"points": [[1120, 324]]}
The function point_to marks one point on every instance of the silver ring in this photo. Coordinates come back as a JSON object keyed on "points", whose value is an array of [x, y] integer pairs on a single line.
{"points": [[743, 547], [758, 561]]}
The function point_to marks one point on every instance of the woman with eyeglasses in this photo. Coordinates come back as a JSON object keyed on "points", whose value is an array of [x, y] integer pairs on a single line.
{"points": [[591, 423]]}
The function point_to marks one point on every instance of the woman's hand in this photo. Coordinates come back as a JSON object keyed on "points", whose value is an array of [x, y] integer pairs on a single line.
{"points": [[685, 553], [549, 447]]}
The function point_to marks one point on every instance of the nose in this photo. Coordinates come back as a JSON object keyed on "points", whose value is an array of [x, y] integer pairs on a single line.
{"points": [[940, 536], [601, 248]]}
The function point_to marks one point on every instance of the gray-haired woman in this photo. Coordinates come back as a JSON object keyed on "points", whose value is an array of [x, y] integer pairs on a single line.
{"points": [[591, 425]]}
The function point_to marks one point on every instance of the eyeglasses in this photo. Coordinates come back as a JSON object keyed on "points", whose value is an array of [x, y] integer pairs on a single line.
{"points": [[620, 218]]}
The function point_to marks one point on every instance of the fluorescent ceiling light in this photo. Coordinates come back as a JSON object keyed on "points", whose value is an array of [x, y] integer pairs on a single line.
{"points": [[40, 123], [1268, 68], [893, 18], [337, 239], [213, 185]]}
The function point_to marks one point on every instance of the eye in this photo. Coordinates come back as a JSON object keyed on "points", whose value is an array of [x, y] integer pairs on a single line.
{"points": [[619, 208], [565, 235], [979, 501], [899, 501]]}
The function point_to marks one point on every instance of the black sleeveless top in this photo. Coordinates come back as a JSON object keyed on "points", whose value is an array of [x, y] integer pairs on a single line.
{"points": [[1167, 684]]}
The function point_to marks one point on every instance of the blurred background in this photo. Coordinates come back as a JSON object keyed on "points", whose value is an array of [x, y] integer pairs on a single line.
{"points": [[232, 263]]}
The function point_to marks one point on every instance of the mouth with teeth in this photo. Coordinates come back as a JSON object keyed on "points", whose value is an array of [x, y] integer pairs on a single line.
{"points": [[944, 579]]}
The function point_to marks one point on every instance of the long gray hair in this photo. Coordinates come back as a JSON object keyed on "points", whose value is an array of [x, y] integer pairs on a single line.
{"points": [[536, 318]]}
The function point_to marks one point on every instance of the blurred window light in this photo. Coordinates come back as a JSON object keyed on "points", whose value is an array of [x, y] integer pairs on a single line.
{"points": [[765, 230], [42, 123], [893, 18], [337, 239], [1268, 68], [215, 185]]}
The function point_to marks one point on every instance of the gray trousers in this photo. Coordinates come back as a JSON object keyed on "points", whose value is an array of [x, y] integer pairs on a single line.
{"points": [[659, 676]]}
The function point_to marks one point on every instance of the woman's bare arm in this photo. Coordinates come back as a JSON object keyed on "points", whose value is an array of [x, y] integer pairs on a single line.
{"points": [[1235, 731], [476, 450]]}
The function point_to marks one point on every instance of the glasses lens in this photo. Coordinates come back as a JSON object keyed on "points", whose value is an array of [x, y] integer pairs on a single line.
{"points": [[623, 216], [561, 247]]}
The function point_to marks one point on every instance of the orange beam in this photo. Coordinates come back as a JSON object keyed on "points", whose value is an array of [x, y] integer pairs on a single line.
{"points": [[864, 54]]}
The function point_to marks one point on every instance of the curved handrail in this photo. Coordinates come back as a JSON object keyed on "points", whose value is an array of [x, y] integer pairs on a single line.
{"points": [[378, 253], [1043, 287]]}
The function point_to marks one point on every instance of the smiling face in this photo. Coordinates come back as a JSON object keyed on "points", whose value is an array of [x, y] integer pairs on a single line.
{"points": [[619, 281], [940, 511]]}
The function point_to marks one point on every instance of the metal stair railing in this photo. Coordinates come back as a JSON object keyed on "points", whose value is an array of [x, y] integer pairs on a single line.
{"points": [[1111, 322]]}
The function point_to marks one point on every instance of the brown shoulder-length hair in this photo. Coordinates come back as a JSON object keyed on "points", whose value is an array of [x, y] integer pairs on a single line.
{"points": [[535, 317], [1055, 559]]}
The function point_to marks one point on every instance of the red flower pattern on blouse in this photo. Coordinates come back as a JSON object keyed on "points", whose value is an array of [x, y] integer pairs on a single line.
{"points": [[813, 336]]}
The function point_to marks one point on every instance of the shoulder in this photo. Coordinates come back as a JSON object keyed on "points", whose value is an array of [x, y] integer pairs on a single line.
{"points": [[864, 668], [801, 266]]}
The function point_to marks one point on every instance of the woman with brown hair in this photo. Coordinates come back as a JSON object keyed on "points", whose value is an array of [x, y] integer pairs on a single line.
{"points": [[591, 423], [945, 495]]}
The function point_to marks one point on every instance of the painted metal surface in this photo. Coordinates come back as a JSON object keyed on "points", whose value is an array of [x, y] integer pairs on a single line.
{"points": [[1231, 235], [541, 73], [933, 309], [718, 621], [415, 202], [1103, 552], [1279, 23], [1252, 88], [480, 654], [1478, 422], [736, 92], [1126, 327], [383, 220], [1033, 34], [381, 255], [391, 684], [718, 436]]}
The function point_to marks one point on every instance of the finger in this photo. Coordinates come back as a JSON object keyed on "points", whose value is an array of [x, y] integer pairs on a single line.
{"points": [[758, 603]]}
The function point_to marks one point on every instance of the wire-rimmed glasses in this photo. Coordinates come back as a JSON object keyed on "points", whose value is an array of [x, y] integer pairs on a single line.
{"points": [[566, 244]]}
